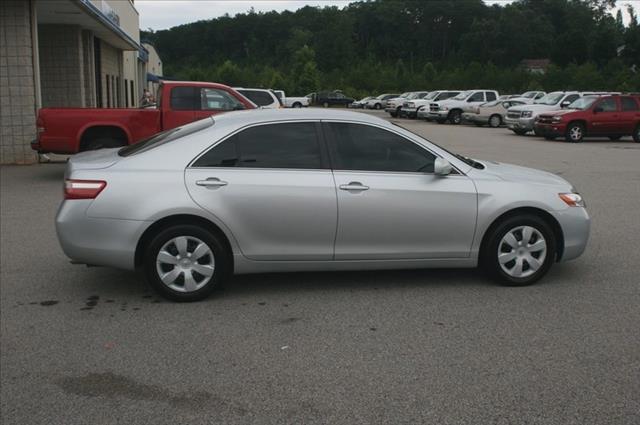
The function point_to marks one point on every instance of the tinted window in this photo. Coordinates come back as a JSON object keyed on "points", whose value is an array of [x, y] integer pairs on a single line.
{"points": [[571, 98], [476, 97], [260, 98], [608, 105], [184, 99], [629, 104], [367, 148], [216, 99], [291, 145], [490, 96]]}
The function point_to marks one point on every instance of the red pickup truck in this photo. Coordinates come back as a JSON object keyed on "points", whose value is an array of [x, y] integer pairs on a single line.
{"points": [[612, 116], [72, 130]]}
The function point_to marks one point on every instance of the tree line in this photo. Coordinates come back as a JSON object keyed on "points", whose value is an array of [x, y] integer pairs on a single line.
{"points": [[394, 45]]}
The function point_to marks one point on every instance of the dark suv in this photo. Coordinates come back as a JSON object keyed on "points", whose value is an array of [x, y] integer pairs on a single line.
{"points": [[330, 98]]}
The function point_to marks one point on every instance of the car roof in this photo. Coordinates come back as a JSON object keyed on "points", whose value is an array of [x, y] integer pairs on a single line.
{"points": [[266, 115]]}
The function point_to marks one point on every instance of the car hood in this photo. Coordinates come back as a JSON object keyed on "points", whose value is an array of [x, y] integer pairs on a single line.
{"points": [[516, 173], [561, 112], [397, 99]]}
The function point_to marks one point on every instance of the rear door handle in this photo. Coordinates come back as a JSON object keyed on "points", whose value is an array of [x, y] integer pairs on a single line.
{"points": [[357, 186], [211, 182]]}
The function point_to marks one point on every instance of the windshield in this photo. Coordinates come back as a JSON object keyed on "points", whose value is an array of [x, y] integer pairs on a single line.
{"points": [[165, 137], [529, 94], [406, 94], [463, 95], [413, 96], [583, 103], [550, 99], [431, 95]]}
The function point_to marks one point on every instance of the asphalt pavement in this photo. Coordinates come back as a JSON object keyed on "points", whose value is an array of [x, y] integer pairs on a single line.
{"points": [[85, 345]]}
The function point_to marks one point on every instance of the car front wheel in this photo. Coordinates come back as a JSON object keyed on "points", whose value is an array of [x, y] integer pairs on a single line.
{"points": [[575, 133], [495, 121], [519, 250], [455, 117], [636, 134], [185, 262]]}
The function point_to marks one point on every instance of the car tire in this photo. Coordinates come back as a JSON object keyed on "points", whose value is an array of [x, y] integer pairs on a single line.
{"points": [[176, 247], [520, 132], [614, 138], [377, 106], [636, 134], [495, 121], [297, 105], [574, 133], [511, 260], [102, 143], [325, 104], [549, 138], [455, 117]]}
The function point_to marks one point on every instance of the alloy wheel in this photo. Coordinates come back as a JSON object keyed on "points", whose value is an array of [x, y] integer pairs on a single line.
{"points": [[575, 133], [494, 121], [522, 251], [185, 264]]}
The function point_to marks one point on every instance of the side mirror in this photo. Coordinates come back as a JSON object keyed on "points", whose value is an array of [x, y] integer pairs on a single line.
{"points": [[597, 109], [565, 104], [442, 167]]}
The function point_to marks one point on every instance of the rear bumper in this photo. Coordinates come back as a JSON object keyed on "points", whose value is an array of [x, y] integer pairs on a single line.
{"points": [[97, 241]]}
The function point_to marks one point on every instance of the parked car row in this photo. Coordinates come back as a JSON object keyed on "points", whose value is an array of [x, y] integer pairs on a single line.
{"points": [[571, 115]]}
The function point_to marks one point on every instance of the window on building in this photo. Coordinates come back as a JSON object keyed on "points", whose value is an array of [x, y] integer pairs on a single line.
{"points": [[126, 93], [133, 97], [108, 80]]}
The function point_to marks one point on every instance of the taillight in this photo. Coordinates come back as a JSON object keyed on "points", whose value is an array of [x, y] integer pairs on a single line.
{"points": [[83, 189]]}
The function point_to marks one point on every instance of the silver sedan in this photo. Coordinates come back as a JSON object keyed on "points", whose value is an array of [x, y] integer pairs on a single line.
{"points": [[296, 190]]}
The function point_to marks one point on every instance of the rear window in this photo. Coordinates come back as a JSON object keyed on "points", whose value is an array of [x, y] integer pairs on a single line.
{"points": [[165, 137]]}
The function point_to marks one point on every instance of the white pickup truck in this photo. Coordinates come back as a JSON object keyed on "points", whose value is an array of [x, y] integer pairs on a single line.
{"points": [[291, 102], [451, 109]]}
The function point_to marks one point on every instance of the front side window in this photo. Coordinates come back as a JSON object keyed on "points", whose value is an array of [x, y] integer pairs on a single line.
{"points": [[607, 105], [366, 148], [476, 97], [629, 104], [286, 145], [216, 99]]}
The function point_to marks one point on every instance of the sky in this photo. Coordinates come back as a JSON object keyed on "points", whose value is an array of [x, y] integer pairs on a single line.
{"points": [[162, 14]]}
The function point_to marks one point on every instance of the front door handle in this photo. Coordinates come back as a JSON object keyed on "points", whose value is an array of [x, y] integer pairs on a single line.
{"points": [[211, 182], [357, 186]]}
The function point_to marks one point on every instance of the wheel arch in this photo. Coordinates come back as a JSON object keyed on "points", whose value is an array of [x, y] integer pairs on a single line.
{"points": [[179, 219], [96, 130], [547, 217]]}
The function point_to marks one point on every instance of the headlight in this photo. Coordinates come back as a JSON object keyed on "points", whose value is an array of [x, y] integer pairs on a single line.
{"points": [[526, 114], [572, 199], [557, 119], [444, 108]]}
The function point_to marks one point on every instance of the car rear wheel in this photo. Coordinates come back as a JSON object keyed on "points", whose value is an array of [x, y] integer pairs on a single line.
{"points": [[520, 132], [377, 106], [455, 117], [185, 262], [297, 105], [636, 134], [495, 120], [575, 133], [519, 250]]}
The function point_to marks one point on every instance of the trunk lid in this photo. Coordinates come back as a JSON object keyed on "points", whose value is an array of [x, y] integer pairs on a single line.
{"points": [[93, 160]]}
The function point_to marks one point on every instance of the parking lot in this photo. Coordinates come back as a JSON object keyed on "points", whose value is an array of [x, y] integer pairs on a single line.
{"points": [[93, 345]]}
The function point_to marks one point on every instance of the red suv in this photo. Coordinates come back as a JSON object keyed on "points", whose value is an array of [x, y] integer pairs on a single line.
{"points": [[613, 116]]}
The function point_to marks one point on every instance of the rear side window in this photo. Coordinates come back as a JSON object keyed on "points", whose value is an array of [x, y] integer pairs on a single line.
{"points": [[287, 145], [185, 99], [491, 96], [571, 98], [259, 97], [366, 148], [165, 137], [629, 104], [608, 105]]}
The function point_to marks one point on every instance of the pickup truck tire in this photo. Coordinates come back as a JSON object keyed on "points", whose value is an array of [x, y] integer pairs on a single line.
{"points": [[614, 138], [102, 143], [636, 134], [297, 105], [495, 121], [574, 133], [455, 117], [520, 132]]}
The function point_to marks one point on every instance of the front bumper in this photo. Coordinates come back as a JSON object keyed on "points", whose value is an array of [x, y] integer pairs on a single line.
{"points": [[522, 124], [391, 108], [550, 129], [97, 241], [576, 226]]}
